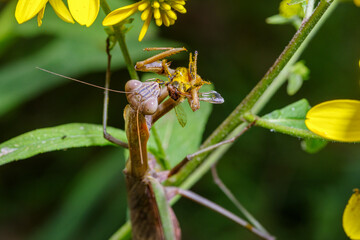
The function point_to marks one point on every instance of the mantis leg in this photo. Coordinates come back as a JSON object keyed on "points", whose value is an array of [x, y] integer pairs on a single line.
{"points": [[189, 157], [215, 207], [107, 135], [233, 199], [219, 182], [142, 65]]}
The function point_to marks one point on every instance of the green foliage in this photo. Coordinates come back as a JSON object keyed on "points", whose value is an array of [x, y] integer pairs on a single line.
{"points": [[313, 145], [292, 2], [292, 115], [164, 209], [88, 191], [288, 120], [55, 138], [297, 75]]}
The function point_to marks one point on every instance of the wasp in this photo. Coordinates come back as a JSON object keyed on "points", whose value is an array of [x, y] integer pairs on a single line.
{"points": [[183, 82]]}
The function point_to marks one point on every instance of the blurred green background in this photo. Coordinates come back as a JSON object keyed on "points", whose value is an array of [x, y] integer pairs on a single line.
{"points": [[80, 193]]}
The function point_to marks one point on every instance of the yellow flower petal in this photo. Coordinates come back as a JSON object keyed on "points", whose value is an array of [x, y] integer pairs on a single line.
{"points": [[166, 6], [351, 217], [145, 27], [27, 9], [180, 2], [120, 14], [61, 10], [171, 14], [165, 20], [336, 120], [143, 6], [178, 7], [145, 14], [41, 15], [84, 11], [156, 4], [158, 22], [157, 14], [357, 3]]}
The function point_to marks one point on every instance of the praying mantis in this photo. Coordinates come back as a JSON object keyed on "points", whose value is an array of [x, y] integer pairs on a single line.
{"points": [[146, 105], [148, 201]]}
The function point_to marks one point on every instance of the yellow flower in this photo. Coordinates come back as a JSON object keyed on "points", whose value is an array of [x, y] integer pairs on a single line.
{"points": [[83, 11], [357, 3], [337, 120], [289, 11], [27, 9], [162, 10], [351, 217]]}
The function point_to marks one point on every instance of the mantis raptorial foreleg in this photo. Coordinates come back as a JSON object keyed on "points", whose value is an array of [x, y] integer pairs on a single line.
{"points": [[153, 64]]}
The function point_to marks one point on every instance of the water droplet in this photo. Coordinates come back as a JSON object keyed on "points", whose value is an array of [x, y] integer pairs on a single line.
{"points": [[292, 109], [81, 128], [6, 150], [272, 130], [43, 141]]}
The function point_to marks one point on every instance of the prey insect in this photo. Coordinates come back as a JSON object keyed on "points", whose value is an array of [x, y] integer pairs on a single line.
{"points": [[183, 83], [150, 213]]}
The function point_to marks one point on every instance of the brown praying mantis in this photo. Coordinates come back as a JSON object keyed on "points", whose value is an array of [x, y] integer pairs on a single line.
{"points": [[150, 213]]}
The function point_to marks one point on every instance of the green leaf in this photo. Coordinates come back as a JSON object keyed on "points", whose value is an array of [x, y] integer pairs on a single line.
{"points": [[301, 69], [278, 19], [295, 82], [313, 145], [292, 2], [298, 73], [292, 115], [164, 209], [288, 120], [93, 183], [55, 138]]}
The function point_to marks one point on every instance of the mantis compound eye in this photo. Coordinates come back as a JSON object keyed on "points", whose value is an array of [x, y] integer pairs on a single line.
{"points": [[150, 106], [131, 85]]}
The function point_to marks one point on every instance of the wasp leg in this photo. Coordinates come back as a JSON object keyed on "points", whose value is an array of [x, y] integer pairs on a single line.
{"points": [[107, 135], [193, 67], [153, 64], [189, 157]]}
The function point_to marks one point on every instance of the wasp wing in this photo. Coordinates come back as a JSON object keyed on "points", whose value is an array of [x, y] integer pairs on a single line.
{"points": [[181, 115]]}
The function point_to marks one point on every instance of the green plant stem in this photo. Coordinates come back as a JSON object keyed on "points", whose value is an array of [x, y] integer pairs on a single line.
{"points": [[123, 233], [309, 8], [121, 39], [235, 118], [282, 77]]}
